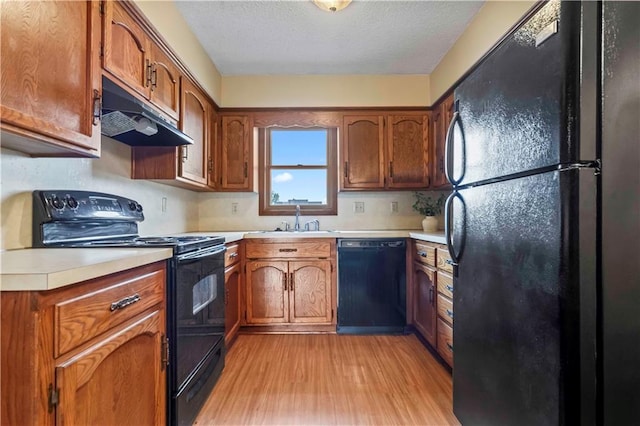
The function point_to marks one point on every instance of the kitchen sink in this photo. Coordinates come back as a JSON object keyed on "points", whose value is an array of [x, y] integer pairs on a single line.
{"points": [[295, 234]]}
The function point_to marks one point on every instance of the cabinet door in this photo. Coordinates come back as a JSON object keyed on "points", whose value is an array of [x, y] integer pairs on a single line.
{"points": [[424, 309], [310, 291], [120, 380], [235, 159], [50, 71], [126, 48], [408, 151], [214, 163], [194, 121], [363, 152], [267, 292], [232, 280], [165, 83], [440, 119]]}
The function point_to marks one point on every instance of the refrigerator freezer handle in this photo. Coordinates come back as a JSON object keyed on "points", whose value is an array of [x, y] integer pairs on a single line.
{"points": [[448, 150]]}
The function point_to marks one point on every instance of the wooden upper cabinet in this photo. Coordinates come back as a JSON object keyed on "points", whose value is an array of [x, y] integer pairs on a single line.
{"points": [[440, 119], [363, 152], [235, 154], [213, 162], [194, 121], [164, 83], [408, 151], [50, 71], [126, 48]]}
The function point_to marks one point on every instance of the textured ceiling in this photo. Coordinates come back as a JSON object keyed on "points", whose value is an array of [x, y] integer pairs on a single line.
{"points": [[295, 37]]}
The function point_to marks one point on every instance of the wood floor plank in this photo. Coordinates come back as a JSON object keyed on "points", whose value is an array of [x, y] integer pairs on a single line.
{"points": [[328, 379]]}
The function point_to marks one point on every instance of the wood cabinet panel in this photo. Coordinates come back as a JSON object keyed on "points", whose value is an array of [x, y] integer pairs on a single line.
{"points": [[310, 287], [232, 300], [424, 309], [425, 254], [164, 82], [445, 342], [445, 284], [445, 309], [232, 255], [267, 295], [440, 118], [194, 121], [82, 318], [408, 151], [444, 260], [50, 76], [126, 48], [363, 152], [116, 379], [288, 250], [235, 154]]}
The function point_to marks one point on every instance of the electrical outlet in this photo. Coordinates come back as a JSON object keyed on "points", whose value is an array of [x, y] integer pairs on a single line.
{"points": [[164, 204], [358, 207], [394, 207], [234, 208]]}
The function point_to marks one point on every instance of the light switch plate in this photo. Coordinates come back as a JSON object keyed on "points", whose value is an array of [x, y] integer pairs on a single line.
{"points": [[358, 207], [234, 208], [394, 207]]}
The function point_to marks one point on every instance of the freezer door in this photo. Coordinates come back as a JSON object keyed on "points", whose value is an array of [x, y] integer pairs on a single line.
{"points": [[621, 213], [517, 302], [517, 108]]}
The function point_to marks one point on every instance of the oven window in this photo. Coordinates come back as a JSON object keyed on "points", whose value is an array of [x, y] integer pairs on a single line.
{"points": [[204, 292]]}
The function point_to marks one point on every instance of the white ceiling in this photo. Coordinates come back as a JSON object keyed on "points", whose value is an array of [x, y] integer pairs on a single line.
{"points": [[268, 37]]}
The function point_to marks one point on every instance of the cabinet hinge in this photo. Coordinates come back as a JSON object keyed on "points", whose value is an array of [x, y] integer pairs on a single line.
{"points": [[164, 352], [54, 397]]}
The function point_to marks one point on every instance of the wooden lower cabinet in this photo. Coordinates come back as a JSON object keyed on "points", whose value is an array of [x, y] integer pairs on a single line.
{"points": [[232, 300], [115, 376], [281, 292], [424, 309]]}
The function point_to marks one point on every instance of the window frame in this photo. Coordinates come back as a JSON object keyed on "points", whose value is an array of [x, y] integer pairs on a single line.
{"points": [[265, 167]]}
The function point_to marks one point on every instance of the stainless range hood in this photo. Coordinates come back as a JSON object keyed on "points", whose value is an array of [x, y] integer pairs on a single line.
{"points": [[131, 121]]}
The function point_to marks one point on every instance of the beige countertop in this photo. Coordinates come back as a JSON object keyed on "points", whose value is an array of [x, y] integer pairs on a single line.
{"points": [[232, 236], [49, 268]]}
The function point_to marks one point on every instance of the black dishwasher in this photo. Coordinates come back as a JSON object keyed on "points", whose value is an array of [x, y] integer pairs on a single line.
{"points": [[371, 286]]}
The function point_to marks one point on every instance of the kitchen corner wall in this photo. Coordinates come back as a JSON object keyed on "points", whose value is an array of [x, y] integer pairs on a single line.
{"points": [[111, 173], [216, 212]]}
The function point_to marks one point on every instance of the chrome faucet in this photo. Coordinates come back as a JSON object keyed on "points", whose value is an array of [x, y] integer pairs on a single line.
{"points": [[296, 226], [315, 222]]}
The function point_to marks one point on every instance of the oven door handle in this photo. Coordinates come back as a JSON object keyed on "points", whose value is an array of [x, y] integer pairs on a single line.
{"points": [[201, 253]]}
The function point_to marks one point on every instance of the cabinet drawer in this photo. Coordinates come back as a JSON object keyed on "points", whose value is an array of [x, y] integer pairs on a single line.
{"points": [[425, 254], [445, 284], [443, 260], [445, 308], [288, 250], [80, 319], [445, 342], [232, 255]]}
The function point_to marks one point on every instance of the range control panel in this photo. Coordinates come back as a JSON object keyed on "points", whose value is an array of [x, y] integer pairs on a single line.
{"points": [[64, 205]]}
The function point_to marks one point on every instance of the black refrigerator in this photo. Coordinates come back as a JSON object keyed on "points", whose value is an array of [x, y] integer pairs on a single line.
{"points": [[543, 224]]}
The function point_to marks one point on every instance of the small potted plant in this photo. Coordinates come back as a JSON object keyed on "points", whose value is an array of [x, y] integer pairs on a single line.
{"points": [[429, 208]]}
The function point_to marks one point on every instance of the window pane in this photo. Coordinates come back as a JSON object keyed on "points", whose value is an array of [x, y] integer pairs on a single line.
{"points": [[303, 187], [293, 147]]}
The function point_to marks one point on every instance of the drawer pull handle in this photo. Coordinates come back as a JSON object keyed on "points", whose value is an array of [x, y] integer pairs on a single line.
{"points": [[288, 250], [449, 313], [233, 255], [422, 254], [449, 287], [123, 303], [450, 346], [448, 262]]}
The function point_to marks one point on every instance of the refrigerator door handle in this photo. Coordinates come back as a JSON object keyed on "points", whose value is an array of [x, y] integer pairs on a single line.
{"points": [[448, 229], [448, 150]]}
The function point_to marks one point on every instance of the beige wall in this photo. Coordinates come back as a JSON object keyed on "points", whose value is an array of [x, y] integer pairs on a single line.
{"points": [[166, 18], [493, 20], [22, 174], [325, 90]]}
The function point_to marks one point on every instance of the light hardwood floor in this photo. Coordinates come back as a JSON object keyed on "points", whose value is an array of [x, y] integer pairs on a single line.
{"points": [[328, 379]]}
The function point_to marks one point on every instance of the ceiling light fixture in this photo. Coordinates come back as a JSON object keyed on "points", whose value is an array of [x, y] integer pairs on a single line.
{"points": [[332, 5]]}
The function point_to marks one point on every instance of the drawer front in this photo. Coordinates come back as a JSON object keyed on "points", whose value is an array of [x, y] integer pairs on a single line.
{"points": [[80, 319], [445, 284], [445, 342], [445, 308], [232, 255], [424, 254], [288, 250], [443, 260]]}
